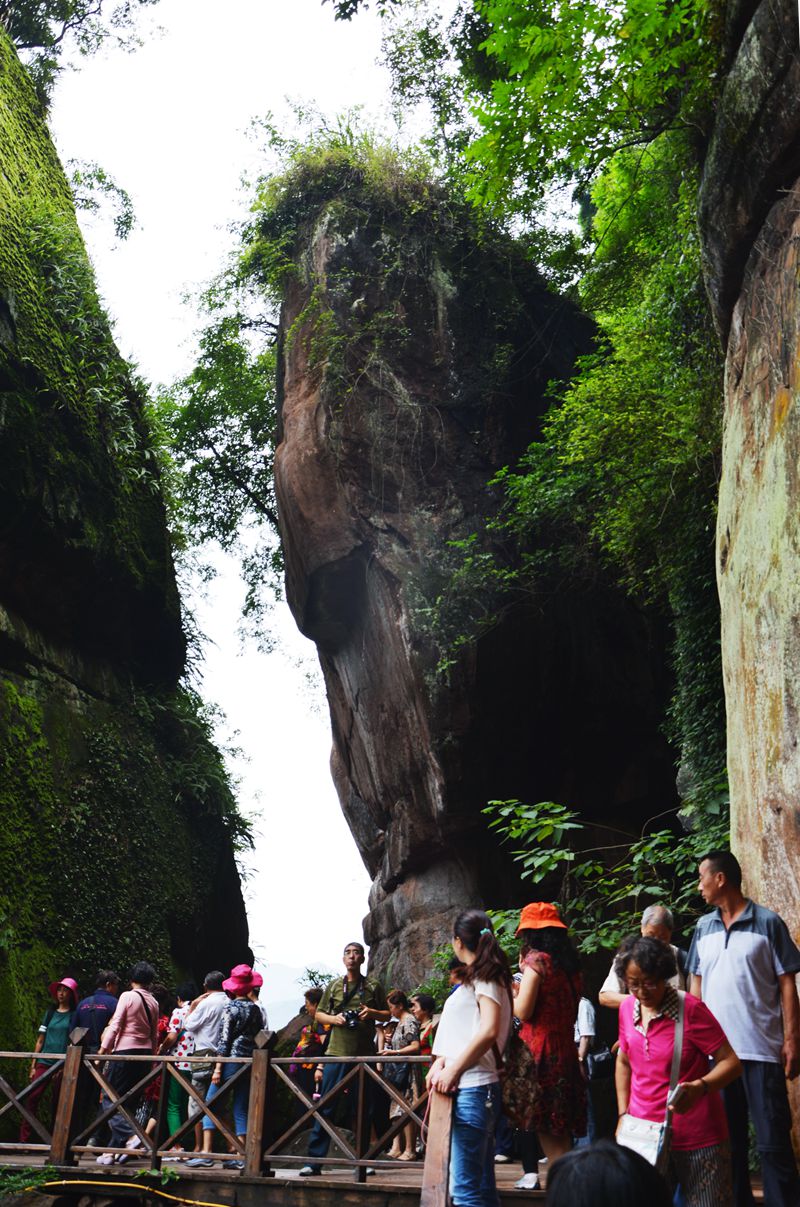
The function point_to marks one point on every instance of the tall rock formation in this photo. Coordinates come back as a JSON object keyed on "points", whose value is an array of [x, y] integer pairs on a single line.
{"points": [[118, 823], [416, 354], [750, 218]]}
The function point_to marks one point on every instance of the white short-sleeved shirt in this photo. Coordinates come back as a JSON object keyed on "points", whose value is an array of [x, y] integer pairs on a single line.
{"points": [[612, 983], [585, 1022], [459, 1023], [205, 1021], [740, 968]]}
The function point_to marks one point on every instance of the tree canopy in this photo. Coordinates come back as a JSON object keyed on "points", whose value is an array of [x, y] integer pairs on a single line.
{"points": [[42, 29]]}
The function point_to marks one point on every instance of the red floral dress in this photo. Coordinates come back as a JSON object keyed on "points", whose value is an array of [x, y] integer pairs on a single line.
{"points": [[560, 1097]]}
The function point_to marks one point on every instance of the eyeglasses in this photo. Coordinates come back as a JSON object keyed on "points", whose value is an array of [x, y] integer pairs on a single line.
{"points": [[635, 986]]}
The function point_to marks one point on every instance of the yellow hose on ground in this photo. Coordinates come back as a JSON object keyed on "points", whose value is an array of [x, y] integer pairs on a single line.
{"points": [[143, 1186]]}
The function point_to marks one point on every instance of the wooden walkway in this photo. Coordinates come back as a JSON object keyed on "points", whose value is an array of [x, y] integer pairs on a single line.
{"points": [[355, 1174], [393, 1185]]}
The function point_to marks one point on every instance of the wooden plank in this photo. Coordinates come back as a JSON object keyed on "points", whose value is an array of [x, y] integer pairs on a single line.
{"points": [[436, 1171], [256, 1113], [361, 1126], [60, 1153]]}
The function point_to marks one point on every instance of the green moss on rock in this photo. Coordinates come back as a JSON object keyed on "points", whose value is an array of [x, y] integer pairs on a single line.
{"points": [[78, 475], [119, 823]]}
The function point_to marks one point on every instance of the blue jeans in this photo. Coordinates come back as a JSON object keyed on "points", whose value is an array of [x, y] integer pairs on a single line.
{"points": [[475, 1113], [332, 1074], [241, 1096]]}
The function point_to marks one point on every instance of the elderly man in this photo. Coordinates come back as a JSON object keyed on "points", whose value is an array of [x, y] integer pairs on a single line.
{"points": [[657, 923], [743, 963]]}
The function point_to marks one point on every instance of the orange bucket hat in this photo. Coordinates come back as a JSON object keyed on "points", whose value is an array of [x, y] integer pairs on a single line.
{"points": [[537, 915]]}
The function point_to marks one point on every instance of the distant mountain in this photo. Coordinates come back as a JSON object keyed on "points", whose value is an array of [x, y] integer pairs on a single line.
{"points": [[283, 991]]}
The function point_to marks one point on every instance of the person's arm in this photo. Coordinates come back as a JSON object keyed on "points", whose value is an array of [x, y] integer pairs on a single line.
{"points": [[696, 985], [727, 1067], [37, 1047], [323, 1014], [445, 1078], [378, 1010], [622, 1082], [330, 1020], [372, 1012], [528, 992], [410, 1049], [790, 1008], [153, 1021], [109, 1036], [612, 992], [584, 1044], [613, 1000], [226, 1039]]}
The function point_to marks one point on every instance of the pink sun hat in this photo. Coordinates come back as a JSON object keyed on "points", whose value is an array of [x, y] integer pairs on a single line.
{"points": [[68, 983], [258, 980], [241, 978]]}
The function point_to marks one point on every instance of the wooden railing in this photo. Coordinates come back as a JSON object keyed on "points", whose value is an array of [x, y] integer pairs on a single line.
{"points": [[265, 1139]]}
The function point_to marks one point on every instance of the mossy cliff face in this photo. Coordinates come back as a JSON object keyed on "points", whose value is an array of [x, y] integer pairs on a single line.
{"points": [[416, 351], [117, 818]]}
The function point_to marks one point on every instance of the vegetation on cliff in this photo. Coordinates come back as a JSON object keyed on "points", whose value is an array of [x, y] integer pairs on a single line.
{"points": [[613, 103], [120, 822]]}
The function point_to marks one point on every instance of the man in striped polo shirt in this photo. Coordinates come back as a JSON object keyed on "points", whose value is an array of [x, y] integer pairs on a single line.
{"points": [[743, 964]]}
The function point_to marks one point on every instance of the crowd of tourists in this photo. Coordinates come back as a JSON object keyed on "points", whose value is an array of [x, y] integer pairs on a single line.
{"points": [[706, 1042]]}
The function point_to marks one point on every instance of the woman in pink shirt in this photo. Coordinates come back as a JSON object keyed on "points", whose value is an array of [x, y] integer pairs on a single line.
{"points": [[700, 1153], [134, 1031]]}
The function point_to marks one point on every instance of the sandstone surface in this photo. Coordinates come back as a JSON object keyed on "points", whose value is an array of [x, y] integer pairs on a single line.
{"points": [[751, 225], [415, 361]]}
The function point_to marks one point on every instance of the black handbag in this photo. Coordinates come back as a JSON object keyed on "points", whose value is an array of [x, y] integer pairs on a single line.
{"points": [[397, 1074], [600, 1063]]}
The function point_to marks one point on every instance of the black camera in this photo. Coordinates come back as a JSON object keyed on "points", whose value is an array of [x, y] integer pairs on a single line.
{"points": [[351, 1018]]}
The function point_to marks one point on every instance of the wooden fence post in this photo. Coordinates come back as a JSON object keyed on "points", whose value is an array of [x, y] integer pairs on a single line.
{"points": [[60, 1150], [257, 1108], [436, 1171]]}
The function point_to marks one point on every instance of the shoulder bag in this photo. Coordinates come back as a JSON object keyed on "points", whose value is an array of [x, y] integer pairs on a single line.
{"points": [[519, 1081], [600, 1063], [652, 1140]]}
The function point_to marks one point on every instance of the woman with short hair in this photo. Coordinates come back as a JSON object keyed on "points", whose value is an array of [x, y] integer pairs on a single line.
{"points": [[133, 1031], [404, 1042], [700, 1151]]}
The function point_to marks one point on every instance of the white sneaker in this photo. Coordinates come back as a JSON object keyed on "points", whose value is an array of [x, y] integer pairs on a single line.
{"points": [[528, 1181], [501, 1159]]}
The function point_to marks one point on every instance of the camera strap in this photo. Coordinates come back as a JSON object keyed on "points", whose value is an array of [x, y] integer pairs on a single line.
{"points": [[348, 993]]}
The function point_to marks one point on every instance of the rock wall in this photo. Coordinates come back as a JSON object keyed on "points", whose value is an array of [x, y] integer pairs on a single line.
{"points": [[751, 226], [750, 216], [117, 820], [416, 353]]}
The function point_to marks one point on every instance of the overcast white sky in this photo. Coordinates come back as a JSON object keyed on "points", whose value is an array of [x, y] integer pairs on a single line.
{"points": [[170, 122]]}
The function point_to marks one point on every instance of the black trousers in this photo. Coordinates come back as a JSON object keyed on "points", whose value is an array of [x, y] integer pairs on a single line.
{"points": [[761, 1093]]}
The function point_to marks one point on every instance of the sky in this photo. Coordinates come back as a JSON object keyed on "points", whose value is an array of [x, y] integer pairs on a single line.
{"points": [[170, 122]]}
